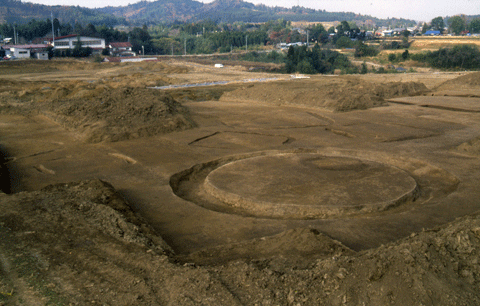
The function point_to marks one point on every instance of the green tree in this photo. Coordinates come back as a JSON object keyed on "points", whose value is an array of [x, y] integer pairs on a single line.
{"points": [[141, 38], [89, 30], [424, 28], [364, 69], [343, 28], [456, 24], [317, 32], [305, 67], [77, 28], [363, 49], [344, 42], [458, 57], [290, 62], [474, 26], [437, 24]]}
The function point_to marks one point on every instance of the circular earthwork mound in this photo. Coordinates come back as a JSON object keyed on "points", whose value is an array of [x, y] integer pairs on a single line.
{"points": [[296, 185]]}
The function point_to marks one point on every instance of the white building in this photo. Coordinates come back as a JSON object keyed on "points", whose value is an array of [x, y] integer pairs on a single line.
{"points": [[20, 53], [24, 51], [42, 55], [71, 41]]}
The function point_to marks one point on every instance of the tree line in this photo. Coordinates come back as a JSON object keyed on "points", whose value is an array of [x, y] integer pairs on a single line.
{"points": [[457, 24]]}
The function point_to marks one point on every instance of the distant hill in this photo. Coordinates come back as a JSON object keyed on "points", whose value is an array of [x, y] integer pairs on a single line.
{"points": [[157, 11], [13, 11], [168, 11], [222, 11]]}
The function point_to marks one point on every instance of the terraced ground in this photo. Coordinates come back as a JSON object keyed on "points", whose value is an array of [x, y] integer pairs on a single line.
{"points": [[331, 190]]}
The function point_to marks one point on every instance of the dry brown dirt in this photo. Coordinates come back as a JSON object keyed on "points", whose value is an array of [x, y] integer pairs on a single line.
{"points": [[434, 43], [67, 237], [338, 94]]}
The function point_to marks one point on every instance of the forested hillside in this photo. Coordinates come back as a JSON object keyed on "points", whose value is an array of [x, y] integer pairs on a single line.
{"points": [[157, 11], [169, 11], [225, 11], [13, 11]]}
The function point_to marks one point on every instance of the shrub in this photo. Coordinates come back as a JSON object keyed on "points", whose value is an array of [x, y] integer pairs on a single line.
{"points": [[344, 42], [395, 45], [365, 50], [305, 67], [364, 68], [97, 58]]}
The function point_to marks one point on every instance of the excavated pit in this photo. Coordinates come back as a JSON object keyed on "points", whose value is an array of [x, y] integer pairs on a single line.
{"points": [[296, 185]]}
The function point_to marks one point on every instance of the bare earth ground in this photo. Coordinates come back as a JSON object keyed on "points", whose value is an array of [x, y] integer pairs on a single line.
{"points": [[202, 201]]}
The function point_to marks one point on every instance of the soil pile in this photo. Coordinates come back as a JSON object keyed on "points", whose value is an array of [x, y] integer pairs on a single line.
{"points": [[35, 66], [79, 244], [104, 114], [335, 94], [466, 85], [55, 65], [105, 110], [464, 81]]}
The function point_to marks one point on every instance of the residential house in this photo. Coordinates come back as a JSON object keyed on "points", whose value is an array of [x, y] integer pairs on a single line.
{"points": [[19, 52], [24, 51]]}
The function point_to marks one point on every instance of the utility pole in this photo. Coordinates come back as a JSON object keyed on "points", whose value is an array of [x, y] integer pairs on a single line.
{"points": [[14, 36], [53, 31], [307, 40], [143, 51], [185, 47], [172, 49], [246, 43]]}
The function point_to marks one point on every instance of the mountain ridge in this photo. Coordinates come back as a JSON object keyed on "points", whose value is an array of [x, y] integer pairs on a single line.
{"points": [[169, 11]]}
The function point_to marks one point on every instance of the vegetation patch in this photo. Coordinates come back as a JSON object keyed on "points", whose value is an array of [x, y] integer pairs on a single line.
{"points": [[459, 57]]}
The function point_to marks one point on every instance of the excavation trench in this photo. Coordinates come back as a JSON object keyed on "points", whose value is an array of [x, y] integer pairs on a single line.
{"points": [[5, 180]]}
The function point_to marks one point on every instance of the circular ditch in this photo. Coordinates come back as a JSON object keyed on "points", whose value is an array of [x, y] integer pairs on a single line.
{"points": [[295, 185]]}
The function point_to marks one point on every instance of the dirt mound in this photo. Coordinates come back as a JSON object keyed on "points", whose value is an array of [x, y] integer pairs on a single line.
{"points": [[79, 243], [437, 267], [470, 80], [471, 147], [335, 94], [69, 64], [70, 245], [36, 66], [115, 105], [111, 109], [467, 85], [103, 114], [297, 247], [156, 66]]}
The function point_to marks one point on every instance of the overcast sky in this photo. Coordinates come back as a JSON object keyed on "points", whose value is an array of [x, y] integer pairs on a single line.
{"points": [[420, 10]]}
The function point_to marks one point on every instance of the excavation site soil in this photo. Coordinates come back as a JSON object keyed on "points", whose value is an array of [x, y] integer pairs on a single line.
{"points": [[268, 190]]}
